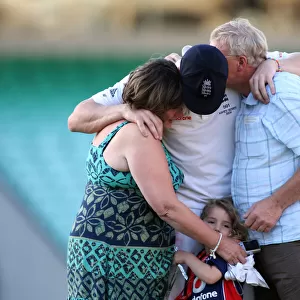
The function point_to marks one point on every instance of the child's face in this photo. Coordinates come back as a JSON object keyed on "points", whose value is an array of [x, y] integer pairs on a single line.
{"points": [[219, 220]]}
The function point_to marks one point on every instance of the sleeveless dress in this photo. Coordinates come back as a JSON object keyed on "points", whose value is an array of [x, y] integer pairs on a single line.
{"points": [[119, 249]]}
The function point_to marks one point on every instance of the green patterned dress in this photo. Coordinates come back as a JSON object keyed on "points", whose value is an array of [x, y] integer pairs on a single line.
{"points": [[119, 249]]}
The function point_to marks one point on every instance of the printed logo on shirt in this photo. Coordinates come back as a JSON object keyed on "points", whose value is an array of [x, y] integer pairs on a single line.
{"points": [[112, 92], [198, 285], [225, 107], [209, 295], [225, 98], [183, 118]]}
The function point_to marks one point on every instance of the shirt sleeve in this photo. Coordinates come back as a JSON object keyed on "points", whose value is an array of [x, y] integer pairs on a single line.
{"points": [[283, 114], [112, 95], [219, 263]]}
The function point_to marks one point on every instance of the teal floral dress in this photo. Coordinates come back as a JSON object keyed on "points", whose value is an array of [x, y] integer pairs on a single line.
{"points": [[119, 249]]}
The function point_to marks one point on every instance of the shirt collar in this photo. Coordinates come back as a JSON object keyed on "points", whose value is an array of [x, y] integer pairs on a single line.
{"points": [[250, 100]]}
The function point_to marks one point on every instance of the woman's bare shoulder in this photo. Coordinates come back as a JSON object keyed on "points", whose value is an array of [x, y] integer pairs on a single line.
{"points": [[131, 133]]}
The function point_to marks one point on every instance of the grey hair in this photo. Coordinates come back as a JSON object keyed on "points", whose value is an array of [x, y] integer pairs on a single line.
{"points": [[240, 37]]}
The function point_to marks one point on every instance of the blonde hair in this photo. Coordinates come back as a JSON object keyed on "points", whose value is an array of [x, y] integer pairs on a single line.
{"points": [[240, 37], [239, 231]]}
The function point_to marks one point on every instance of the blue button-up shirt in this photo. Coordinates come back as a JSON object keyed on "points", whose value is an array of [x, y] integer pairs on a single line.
{"points": [[268, 154]]}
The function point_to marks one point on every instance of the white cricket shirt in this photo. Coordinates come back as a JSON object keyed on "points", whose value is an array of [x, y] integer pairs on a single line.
{"points": [[202, 146]]}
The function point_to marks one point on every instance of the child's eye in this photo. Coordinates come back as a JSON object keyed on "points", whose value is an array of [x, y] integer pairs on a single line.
{"points": [[227, 226], [210, 222]]}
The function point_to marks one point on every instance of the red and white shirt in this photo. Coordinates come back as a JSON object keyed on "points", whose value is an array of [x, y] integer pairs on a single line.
{"points": [[196, 289]]}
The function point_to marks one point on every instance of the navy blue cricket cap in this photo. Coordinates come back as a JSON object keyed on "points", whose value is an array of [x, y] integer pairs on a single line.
{"points": [[204, 72]]}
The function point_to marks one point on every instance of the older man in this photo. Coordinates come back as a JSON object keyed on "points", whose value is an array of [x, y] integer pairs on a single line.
{"points": [[266, 169]]}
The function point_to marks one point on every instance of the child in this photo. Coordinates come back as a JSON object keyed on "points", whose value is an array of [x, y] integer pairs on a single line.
{"points": [[205, 272]]}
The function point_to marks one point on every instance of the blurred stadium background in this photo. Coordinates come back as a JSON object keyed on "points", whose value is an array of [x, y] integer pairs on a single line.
{"points": [[54, 54]]}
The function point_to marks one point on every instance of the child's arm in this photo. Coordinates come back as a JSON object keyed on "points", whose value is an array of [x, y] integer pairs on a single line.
{"points": [[209, 274]]}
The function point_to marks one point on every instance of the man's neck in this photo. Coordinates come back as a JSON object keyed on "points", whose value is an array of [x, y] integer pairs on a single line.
{"points": [[243, 89]]}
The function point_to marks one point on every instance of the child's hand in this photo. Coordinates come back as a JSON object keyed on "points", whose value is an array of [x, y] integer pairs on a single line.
{"points": [[180, 256]]}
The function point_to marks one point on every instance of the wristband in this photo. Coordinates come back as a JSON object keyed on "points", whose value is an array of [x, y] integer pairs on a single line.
{"points": [[213, 251], [279, 69]]}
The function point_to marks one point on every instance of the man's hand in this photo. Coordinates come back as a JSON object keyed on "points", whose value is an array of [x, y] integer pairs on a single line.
{"points": [[231, 251], [263, 76], [145, 120], [174, 57], [263, 215]]}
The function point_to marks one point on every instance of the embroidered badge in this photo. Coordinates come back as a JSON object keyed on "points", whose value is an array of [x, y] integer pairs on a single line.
{"points": [[206, 88], [251, 119]]}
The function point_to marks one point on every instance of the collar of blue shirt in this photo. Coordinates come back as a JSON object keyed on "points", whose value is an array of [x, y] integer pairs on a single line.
{"points": [[250, 100]]}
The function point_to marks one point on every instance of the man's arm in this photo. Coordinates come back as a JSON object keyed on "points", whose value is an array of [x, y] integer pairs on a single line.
{"points": [[104, 108], [282, 120], [267, 69], [291, 63], [289, 193], [264, 214], [91, 117]]}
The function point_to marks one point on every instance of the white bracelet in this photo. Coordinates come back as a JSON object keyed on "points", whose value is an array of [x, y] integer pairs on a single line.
{"points": [[213, 251], [181, 267]]}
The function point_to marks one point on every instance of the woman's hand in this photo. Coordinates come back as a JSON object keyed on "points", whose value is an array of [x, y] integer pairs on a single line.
{"points": [[231, 251], [145, 120]]}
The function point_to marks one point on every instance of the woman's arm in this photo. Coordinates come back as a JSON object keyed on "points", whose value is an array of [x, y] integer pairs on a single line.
{"points": [[209, 274], [148, 165]]}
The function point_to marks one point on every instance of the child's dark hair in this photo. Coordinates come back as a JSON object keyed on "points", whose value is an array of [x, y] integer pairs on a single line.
{"points": [[239, 231], [155, 86]]}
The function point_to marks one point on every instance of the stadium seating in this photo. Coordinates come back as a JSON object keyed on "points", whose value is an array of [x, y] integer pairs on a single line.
{"points": [[42, 161]]}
